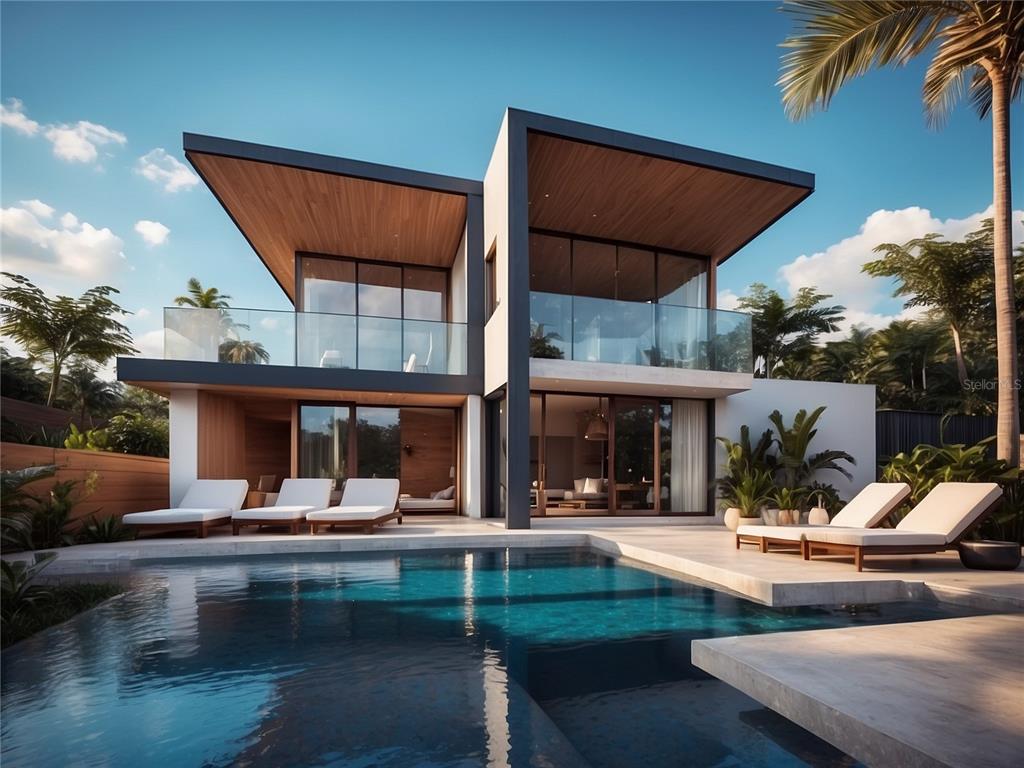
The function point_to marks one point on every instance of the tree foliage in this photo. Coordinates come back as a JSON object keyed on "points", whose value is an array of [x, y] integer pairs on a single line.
{"points": [[61, 330]]}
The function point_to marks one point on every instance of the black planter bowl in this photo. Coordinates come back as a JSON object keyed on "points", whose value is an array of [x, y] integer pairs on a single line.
{"points": [[990, 555]]}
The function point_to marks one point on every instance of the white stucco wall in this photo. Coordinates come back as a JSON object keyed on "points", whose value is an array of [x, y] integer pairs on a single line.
{"points": [[848, 423], [496, 233], [184, 442], [473, 454]]}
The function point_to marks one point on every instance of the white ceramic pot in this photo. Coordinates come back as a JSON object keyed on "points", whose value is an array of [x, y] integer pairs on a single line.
{"points": [[817, 516], [732, 518], [789, 516]]}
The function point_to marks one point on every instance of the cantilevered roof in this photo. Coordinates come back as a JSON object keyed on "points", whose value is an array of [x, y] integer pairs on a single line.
{"points": [[285, 201], [608, 184]]}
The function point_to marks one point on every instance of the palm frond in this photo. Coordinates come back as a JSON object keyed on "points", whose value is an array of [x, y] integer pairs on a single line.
{"points": [[836, 42]]}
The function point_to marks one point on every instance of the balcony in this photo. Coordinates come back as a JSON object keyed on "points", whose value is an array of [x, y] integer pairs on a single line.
{"points": [[590, 330], [314, 340]]}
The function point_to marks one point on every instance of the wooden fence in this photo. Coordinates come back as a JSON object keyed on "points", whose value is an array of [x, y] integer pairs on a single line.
{"points": [[125, 483], [32, 416]]}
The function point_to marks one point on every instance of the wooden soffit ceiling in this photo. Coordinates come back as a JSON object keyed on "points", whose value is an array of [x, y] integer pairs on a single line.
{"points": [[283, 210], [599, 191]]}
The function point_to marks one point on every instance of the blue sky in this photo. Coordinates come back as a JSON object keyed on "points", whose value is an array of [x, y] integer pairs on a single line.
{"points": [[100, 88]]}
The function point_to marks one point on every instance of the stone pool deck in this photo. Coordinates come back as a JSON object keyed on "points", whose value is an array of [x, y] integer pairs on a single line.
{"points": [[948, 692], [679, 546]]}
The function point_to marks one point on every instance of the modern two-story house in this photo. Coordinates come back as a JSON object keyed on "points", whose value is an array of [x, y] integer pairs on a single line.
{"points": [[544, 342]]}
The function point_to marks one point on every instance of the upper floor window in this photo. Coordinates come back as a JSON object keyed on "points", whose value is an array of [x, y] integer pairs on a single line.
{"points": [[580, 267], [371, 289], [491, 282]]}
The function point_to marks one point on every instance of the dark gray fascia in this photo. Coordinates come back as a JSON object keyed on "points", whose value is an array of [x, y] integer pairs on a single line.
{"points": [[138, 369]]}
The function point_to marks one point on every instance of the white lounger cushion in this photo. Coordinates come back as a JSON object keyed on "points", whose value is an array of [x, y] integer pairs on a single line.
{"points": [[174, 516], [872, 505], [350, 513], [204, 500], [305, 492], [950, 509], [276, 512], [215, 494], [875, 537], [370, 492], [297, 497]]}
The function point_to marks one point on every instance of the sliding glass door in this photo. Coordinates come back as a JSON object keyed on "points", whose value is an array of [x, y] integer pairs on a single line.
{"points": [[594, 455]]}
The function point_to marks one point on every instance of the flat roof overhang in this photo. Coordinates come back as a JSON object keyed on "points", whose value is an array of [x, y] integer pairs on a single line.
{"points": [[638, 380], [611, 185], [286, 202], [163, 376]]}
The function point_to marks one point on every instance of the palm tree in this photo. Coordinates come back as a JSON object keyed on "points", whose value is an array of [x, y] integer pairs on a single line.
{"points": [[977, 44], [202, 298], [243, 351], [63, 329], [952, 278], [784, 332], [88, 394]]}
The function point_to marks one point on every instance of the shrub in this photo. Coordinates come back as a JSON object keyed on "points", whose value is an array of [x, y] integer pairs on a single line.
{"points": [[51, 517], [140, 435], [104, 530], [90, 440], [17, 505]]}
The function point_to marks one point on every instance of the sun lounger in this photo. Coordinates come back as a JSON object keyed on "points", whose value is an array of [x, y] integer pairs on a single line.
{"points": [[206, 504], [297, 498], [867, 509], [366, 504], [937, 523]]}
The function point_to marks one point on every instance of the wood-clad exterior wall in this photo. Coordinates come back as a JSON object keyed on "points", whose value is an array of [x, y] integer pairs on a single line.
{"points": [[428, 450], [268, 450], [123, 484], [221, 434]]}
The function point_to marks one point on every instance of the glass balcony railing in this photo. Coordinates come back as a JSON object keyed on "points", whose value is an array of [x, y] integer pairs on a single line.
{"points": [[586, 329], [314, 340]]}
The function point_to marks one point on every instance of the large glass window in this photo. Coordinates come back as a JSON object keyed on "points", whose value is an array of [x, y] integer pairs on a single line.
{"points": [[682, 281], [425, 294], [323, 441], [416, 445], [380, 290], [328, 285]]}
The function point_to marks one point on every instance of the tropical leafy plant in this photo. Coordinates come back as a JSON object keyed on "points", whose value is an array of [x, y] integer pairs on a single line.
{"points": [[792, 465], [17, 505], [753, 491], [139, 434], [51, 517], [789, 498], [87, 395], [104, 530], [18, 593], [89, 440], [977, 50], [61, 330], [742, 458]]}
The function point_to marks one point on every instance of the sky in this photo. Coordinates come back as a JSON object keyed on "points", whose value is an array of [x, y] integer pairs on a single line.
{"points": [[95, 189]]}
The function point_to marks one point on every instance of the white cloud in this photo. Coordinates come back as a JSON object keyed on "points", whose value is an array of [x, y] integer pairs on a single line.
{"points": [[727, 299], [837, 269], [74, 249], [142, 313], [153, 232], [12, 114], [78, 143], [38, 208], [166, 170], [150, 344]]}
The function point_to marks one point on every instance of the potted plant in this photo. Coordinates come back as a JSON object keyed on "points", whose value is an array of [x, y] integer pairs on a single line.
{"points": [[788, 502], [748, 495]]}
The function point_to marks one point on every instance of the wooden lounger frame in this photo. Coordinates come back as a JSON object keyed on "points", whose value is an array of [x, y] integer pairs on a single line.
{"points": [[292, 525], [367, 524], [201, 528], [858, 551], [763, 542]]}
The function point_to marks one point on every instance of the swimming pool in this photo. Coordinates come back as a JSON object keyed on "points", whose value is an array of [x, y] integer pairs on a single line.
{"points": [[559, 658]]}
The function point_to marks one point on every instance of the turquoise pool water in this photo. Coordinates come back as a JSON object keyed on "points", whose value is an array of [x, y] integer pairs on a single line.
{"points": [[559, 658]]}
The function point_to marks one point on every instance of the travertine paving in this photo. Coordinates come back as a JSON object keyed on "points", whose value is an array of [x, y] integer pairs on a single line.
{"points": [[939, 693]]}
